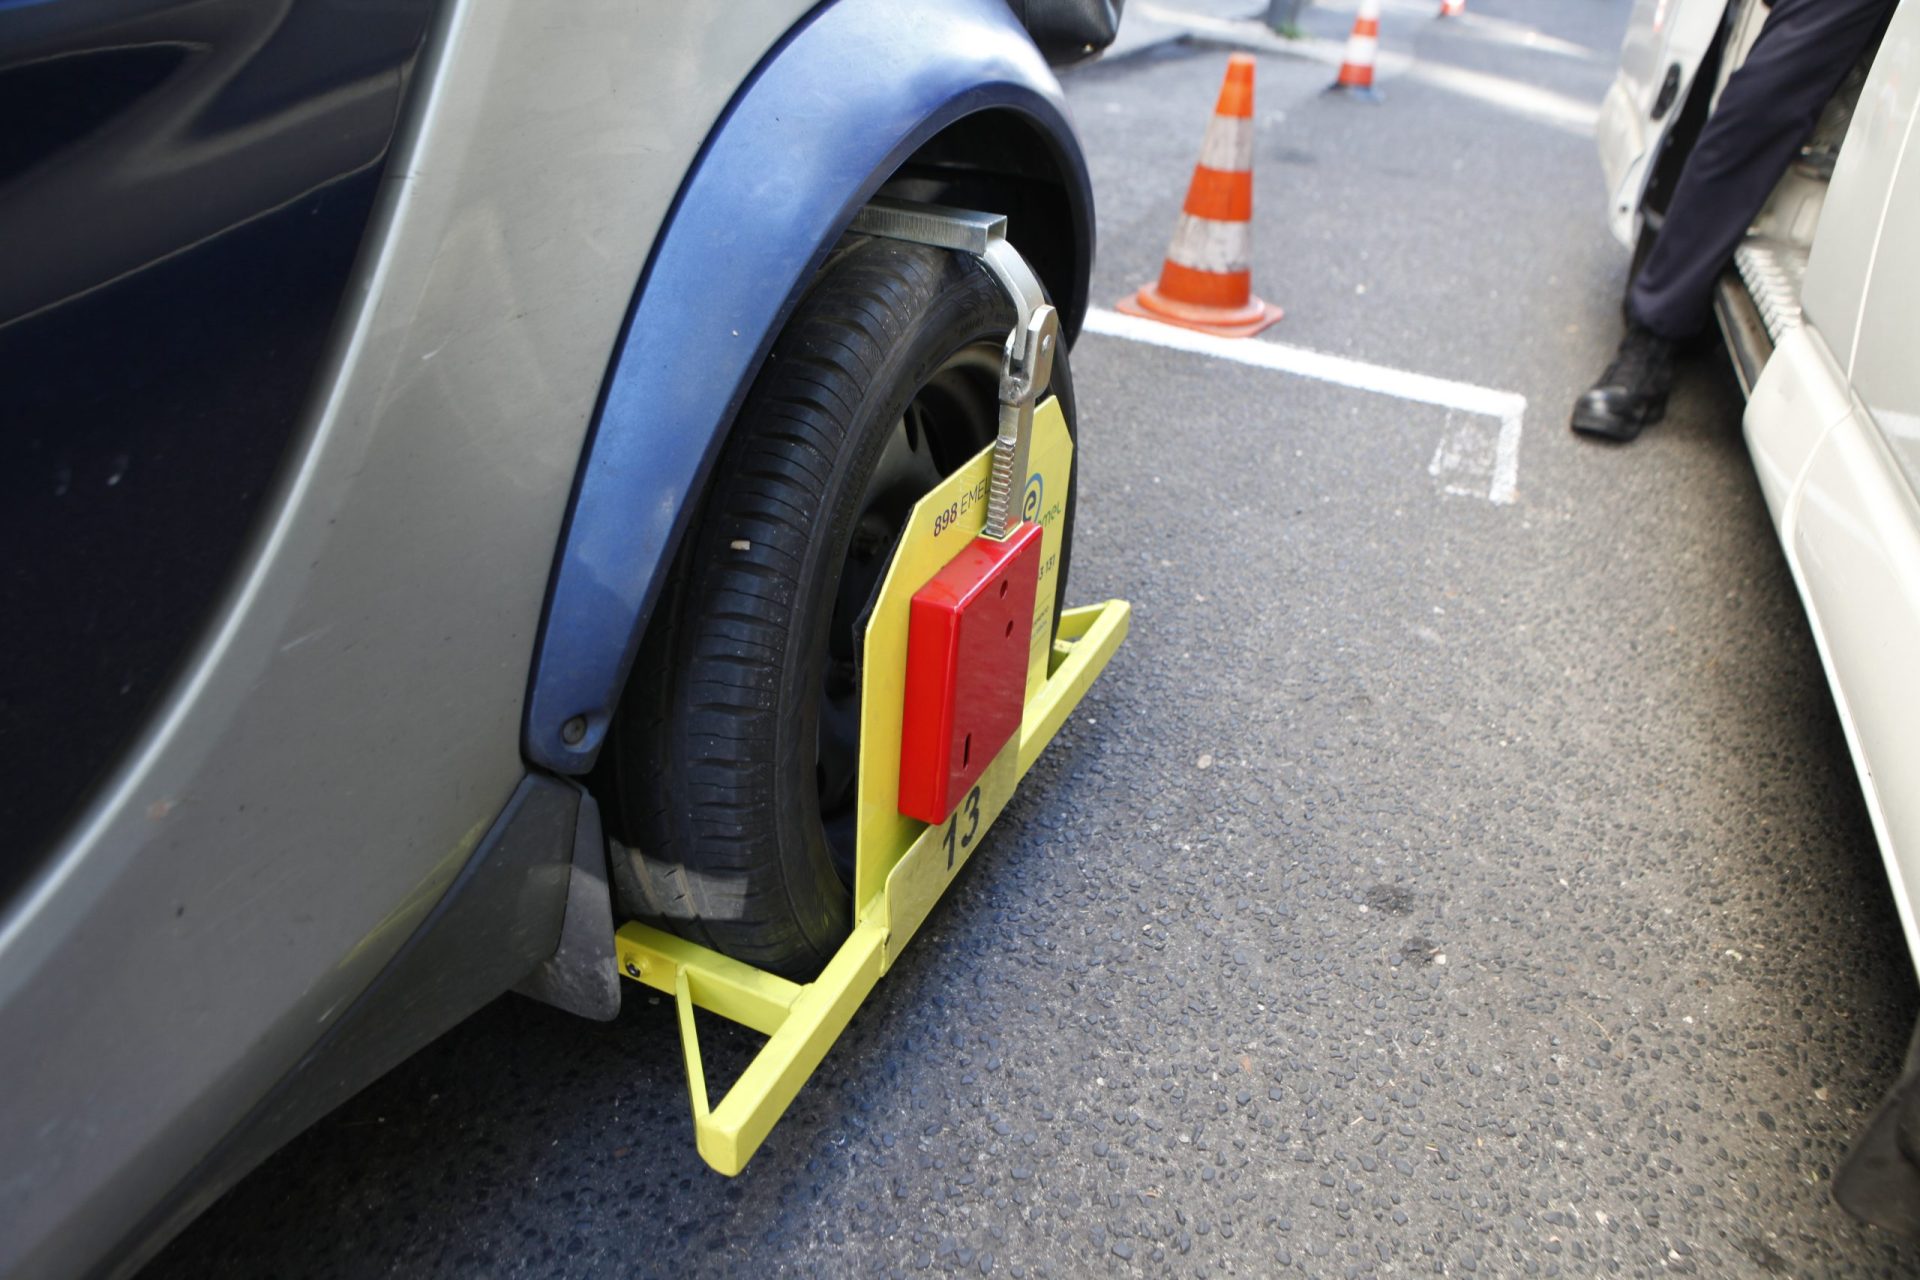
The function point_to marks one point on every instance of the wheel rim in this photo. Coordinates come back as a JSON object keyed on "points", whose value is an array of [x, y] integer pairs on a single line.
{"points": [[950, 418]]}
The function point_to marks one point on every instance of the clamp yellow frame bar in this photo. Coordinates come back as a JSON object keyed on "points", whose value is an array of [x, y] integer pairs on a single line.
{"points": [[902, 866]]}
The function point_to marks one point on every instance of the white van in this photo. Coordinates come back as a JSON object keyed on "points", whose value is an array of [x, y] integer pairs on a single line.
{"points": [[1818, 310]]}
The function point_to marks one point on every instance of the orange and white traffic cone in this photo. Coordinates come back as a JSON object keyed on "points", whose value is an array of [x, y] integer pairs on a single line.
{"points": [[1452, 8], [1356, 70], [1206, 279]]}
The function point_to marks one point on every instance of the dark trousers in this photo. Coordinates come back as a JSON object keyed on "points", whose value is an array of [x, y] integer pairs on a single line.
{"points": [[1769, 106]]}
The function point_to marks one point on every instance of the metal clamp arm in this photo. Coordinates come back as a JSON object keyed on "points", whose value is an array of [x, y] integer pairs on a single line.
{"points": [[1026, 365]]}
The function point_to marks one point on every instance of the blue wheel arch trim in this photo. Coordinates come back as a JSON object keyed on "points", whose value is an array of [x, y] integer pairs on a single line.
{"points": [[826, 118]]}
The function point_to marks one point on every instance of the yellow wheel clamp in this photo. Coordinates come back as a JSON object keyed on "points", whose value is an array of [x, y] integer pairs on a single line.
{"points": [[903, 864]]}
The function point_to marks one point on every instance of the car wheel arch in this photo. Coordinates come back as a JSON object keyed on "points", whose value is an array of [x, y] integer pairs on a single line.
{"points": [[980, 118]]}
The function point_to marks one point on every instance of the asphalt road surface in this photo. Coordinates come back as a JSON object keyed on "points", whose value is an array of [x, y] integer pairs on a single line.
{"points": [[1434, 885]]}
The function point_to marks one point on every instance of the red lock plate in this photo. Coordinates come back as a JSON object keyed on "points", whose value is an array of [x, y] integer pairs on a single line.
{"points": [[968, 642]]}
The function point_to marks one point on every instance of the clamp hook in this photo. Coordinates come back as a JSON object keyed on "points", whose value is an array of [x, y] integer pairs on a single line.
{"points": [[1026, 364]]}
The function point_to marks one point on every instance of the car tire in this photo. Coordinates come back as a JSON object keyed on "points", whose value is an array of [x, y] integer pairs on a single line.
{"points": [[733, 754]]}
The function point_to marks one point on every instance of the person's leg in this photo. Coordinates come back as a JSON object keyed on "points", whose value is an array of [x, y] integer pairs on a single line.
{"points": [[1766, 110], [1769, 105]]}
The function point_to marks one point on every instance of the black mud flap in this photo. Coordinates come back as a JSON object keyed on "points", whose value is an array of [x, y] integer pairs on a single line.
{"points": [[1879, 1182]]}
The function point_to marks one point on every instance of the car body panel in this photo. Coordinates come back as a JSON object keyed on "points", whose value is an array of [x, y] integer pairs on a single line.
{"points": [[1855, 536], [1799, 397], [1834, 429], [348, 730], [1661, 35], [1883, 367], [184, 186], [1841, 268], [1851, 532], [862, 89], [501, 917]]}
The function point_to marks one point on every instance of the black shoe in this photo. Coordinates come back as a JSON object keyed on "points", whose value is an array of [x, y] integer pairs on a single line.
{"points": [[1632, 393]]}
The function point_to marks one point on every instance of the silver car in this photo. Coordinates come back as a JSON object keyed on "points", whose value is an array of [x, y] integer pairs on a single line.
{"points": [[448, 448]]}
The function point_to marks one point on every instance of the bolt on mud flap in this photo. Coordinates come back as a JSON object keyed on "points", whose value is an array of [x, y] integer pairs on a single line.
{"points": [[1014, 490]]}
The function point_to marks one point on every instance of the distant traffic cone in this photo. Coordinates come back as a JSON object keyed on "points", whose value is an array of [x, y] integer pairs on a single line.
{"points": [[1356, 71], [1452, 8], [1206, 279]]}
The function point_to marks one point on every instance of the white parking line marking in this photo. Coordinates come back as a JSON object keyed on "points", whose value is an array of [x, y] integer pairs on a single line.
{"points": [[1464, 452], [1503, 93], [1544, 106]]}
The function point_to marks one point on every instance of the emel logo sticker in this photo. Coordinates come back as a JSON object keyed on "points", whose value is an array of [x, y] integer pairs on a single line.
{"points": [[1030, 505]]}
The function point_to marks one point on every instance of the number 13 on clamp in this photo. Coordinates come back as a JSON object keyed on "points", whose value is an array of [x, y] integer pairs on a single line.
{"points": [[956, 839]]}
